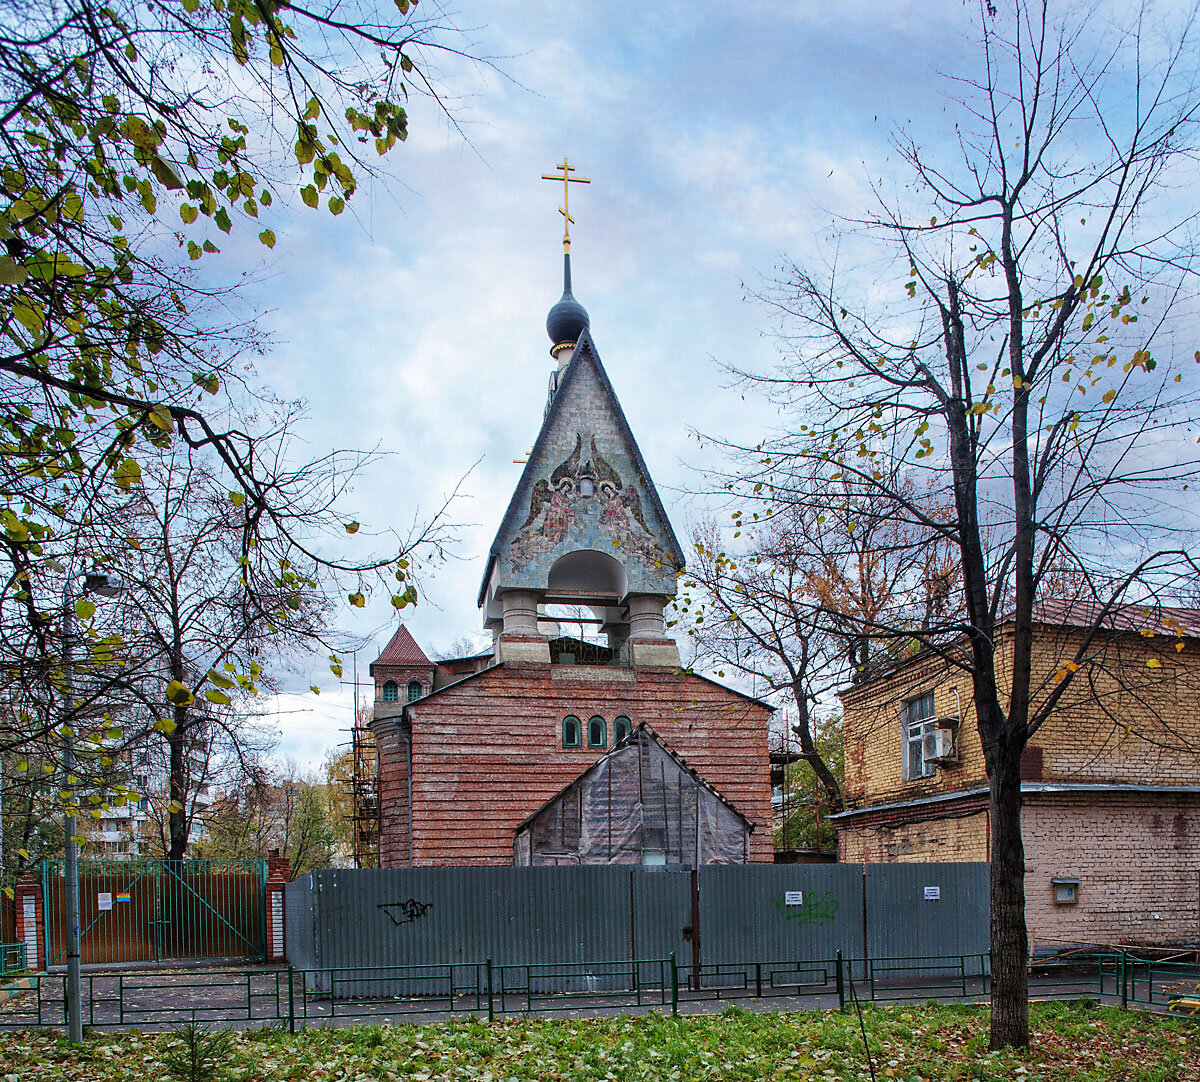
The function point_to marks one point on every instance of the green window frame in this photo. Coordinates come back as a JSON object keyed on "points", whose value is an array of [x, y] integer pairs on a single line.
{"points": [[414, 690], [597, 732], [572, 732], [622, 727], [391, 693]]}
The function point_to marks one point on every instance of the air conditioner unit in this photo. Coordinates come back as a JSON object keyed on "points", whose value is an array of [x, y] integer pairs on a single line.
{"points": [[940, 747]]}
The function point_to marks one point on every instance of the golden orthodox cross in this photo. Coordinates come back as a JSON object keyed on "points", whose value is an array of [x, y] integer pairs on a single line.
{"points": [[564, 174]]}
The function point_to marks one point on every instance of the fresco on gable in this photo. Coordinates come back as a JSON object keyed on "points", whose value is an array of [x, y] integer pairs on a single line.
{"points": [[585, 502]]}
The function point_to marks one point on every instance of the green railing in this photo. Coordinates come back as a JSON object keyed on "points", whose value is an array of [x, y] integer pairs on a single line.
{"points": [[12, 959], [297, 998]]}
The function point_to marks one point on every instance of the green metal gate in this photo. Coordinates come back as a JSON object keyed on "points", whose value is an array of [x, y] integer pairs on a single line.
{"points": [[148, 910]]}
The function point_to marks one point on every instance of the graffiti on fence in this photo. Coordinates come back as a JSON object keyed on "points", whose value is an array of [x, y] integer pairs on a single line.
{"points": [[811, 910], [407, 912]]}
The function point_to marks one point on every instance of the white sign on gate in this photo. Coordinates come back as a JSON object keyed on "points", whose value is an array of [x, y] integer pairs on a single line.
{"points": [[104, 901], [933, 894], [793, 897]]}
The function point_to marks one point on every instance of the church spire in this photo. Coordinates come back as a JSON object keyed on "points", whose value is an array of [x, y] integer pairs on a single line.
{"points": [[568, 319]]}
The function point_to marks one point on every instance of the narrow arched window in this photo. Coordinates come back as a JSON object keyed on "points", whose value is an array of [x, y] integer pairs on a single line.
{"points": [[572, 728], [597, 732], [621, 728], [390, 692], [414, 690]]}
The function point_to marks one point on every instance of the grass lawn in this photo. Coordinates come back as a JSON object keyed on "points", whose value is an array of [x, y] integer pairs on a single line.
{"points": [[1073, 1042]]}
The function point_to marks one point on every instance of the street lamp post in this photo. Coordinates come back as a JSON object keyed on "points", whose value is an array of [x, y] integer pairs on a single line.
{"points": [[98, 583]]}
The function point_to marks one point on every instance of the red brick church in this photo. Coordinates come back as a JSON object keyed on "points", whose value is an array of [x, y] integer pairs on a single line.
{"points": [[593, 749]]}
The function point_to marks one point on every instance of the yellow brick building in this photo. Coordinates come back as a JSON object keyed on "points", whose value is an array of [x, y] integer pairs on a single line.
{"points": [[1110, 782]]}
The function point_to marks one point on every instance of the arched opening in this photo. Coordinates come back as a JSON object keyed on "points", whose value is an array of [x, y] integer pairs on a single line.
{"points": [[390, 692], [621, 729], [414, 690], [587, 573], [597, 732], [571, 728]]}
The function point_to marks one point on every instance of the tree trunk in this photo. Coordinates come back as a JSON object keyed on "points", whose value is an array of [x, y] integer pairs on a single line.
{"points": [[177, 826], [1010, 941]]}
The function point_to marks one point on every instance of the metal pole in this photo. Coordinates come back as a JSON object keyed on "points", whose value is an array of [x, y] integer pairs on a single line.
{"points": [[841, 987], [71, 864]]}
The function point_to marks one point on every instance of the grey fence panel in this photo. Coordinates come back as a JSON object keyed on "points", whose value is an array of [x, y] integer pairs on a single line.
{"points": [[299, 923], [662, 908], [778, 913], [435, 916], [926, 910]]}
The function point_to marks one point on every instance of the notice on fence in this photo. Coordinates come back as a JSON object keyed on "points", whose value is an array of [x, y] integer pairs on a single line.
{"points": [[104, 901], [932, 894], [793, 897]]}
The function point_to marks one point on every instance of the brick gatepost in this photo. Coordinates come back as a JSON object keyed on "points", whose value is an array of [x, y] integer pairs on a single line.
{"points": [[279, 874], [31, 921]]}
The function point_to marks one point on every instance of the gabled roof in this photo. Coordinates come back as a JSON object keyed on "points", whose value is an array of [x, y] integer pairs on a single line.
{"points": [[585, 354], [1149, 619], [1151, 616], [401, 650], [642, 731]]}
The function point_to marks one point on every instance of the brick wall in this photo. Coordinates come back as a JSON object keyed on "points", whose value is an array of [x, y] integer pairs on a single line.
{"points": [[488, 752], [961, 836], [392, 749], [1135, 856]]}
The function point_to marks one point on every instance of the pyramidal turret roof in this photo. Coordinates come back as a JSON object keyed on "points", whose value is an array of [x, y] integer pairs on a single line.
{"points": [[402, 649], [585, 486]]}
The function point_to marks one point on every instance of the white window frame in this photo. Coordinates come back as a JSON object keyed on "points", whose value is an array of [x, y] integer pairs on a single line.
{"points": [[918, 723]]}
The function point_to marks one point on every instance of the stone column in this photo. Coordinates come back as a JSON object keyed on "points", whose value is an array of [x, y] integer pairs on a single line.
{"points": [[520, 640], [279, 872], [31, 921], [648, 642]]}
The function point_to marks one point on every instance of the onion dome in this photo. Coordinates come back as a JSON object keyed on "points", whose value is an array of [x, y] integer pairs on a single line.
{"points": [[568, 319]]}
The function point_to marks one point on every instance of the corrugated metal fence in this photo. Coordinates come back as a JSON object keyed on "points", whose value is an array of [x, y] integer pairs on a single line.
{"points": [[718, 918]]}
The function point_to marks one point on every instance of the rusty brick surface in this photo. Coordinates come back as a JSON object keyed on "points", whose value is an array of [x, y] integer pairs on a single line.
{"points": [[488, 752]]}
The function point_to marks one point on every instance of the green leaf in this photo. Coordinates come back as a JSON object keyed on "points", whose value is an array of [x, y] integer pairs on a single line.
{"points": [[222, 220], [160, 417], [11, 272], [267, 237], [165, 173], [85, 609], [309, 194], [165, 725], [351, 527], [220, 679], [179, 694], [357, 600], [336, 205], [188, 213], [219, 697], [314, 689], [237, 498], [127, 474]]}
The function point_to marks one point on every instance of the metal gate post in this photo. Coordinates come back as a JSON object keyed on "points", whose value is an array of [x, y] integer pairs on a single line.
{"points": [[841, 982], [158, 916], [1124, 981], [291, 979], [674, 987], [491, 1002]]}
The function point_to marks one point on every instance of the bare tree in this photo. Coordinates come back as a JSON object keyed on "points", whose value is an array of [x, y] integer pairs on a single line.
{"points": [[802, 592], [1025, 364]]}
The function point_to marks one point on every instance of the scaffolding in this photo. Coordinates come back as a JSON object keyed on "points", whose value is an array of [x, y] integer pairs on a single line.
{"points": [[364, 795]]}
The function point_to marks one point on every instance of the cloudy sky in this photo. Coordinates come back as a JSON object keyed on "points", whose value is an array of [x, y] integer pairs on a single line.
{"points": [[720, 139]]}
